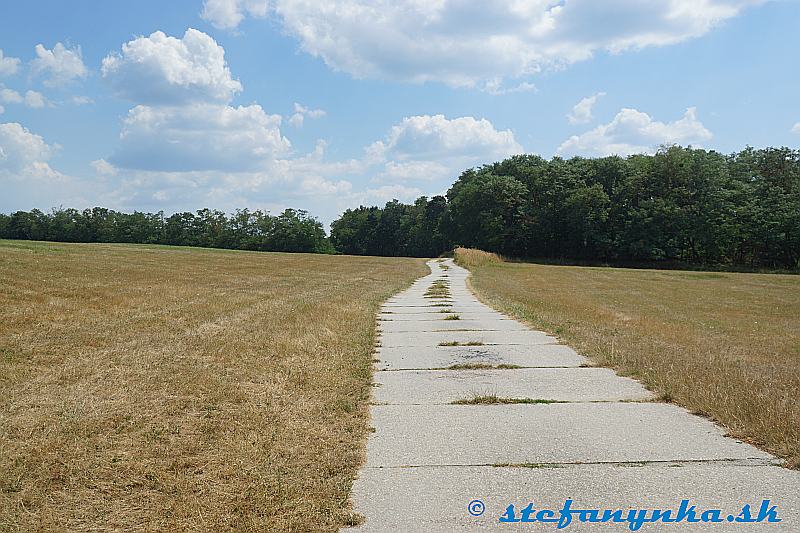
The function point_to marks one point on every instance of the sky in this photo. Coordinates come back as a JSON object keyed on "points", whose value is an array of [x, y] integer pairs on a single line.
{"points": [[327, 105]]}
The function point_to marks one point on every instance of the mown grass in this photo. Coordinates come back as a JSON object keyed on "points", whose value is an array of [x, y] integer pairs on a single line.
{"points": [[724, 345], [164, 389]]}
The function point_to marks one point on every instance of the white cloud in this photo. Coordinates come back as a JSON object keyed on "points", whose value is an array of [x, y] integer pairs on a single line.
{"points": [[796, 128], [228, 14], [24, 155], [388, 193], [316, 185], [31, 98], [60, 65], [633, 132], [472, 42], [161, 69], [35, 99], [300, 112], [495, 87], [436, 137], [395, 171], [10, 96], [2, 110], [199, 137], [8, 65], [103, 167], [582, 111], [81, 100]]}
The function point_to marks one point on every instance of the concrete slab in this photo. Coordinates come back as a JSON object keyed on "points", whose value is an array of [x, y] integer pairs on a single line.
{"points": [[527, 338], [487, 324], [562, 384], [416, 303], [435, 314], [542, 355], [424, 435], [435, 499]]}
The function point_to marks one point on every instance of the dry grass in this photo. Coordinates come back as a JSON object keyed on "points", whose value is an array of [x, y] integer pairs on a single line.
{"points": [[493, 399], [154, 388], [726, 345], [438, 289], [482, 366], [457, 343], [472, 258]]}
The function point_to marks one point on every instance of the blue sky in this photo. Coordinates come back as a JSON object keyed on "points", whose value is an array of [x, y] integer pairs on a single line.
{"points": [[327, 105]]}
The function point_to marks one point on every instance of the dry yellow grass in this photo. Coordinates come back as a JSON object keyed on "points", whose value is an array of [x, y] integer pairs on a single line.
{"points": [[471, 258], [726, 345], [154, 388]]}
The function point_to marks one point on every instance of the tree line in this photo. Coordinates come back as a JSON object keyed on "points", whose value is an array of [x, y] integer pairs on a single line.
{"points": [[291, 231], [680, 205]]}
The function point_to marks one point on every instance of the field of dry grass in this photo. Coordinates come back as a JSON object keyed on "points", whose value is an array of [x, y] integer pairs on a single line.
{"points": [[155, 388], [726, 345]]}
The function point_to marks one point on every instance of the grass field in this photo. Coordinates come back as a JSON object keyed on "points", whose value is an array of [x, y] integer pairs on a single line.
{"points": [[725, 345], [155, 388]]}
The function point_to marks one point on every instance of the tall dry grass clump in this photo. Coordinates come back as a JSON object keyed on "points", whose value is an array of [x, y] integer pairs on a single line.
{"points": [[147, 388], [471, 257]]}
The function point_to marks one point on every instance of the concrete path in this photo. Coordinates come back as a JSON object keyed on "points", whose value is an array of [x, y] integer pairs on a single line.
{"points": [[584, 434]]}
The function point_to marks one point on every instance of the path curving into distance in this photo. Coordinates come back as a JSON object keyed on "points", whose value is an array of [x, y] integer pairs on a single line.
{"points": [[596, 438]]}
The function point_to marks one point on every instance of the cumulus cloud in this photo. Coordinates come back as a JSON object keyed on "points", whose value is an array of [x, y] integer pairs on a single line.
{"points": [[165, 70], [31, 98], [60, 65], [10, 96], [397, 171], [103, 167], [582, 111], [183, 121], [633, 132], [300, 112], [471, 42], [199, 137], [495, 87], [8, 65], [35, 99], [24, 155], [436, 137], [796, 128], [388, 193], [228, 14]]}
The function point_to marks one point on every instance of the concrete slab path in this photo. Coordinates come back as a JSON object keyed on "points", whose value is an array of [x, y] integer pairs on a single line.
{"points": [[575, 432]]}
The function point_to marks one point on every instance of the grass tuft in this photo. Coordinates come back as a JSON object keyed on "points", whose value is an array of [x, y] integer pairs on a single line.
{"points": [[482, 366], [528, 465], [493, 399]]}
